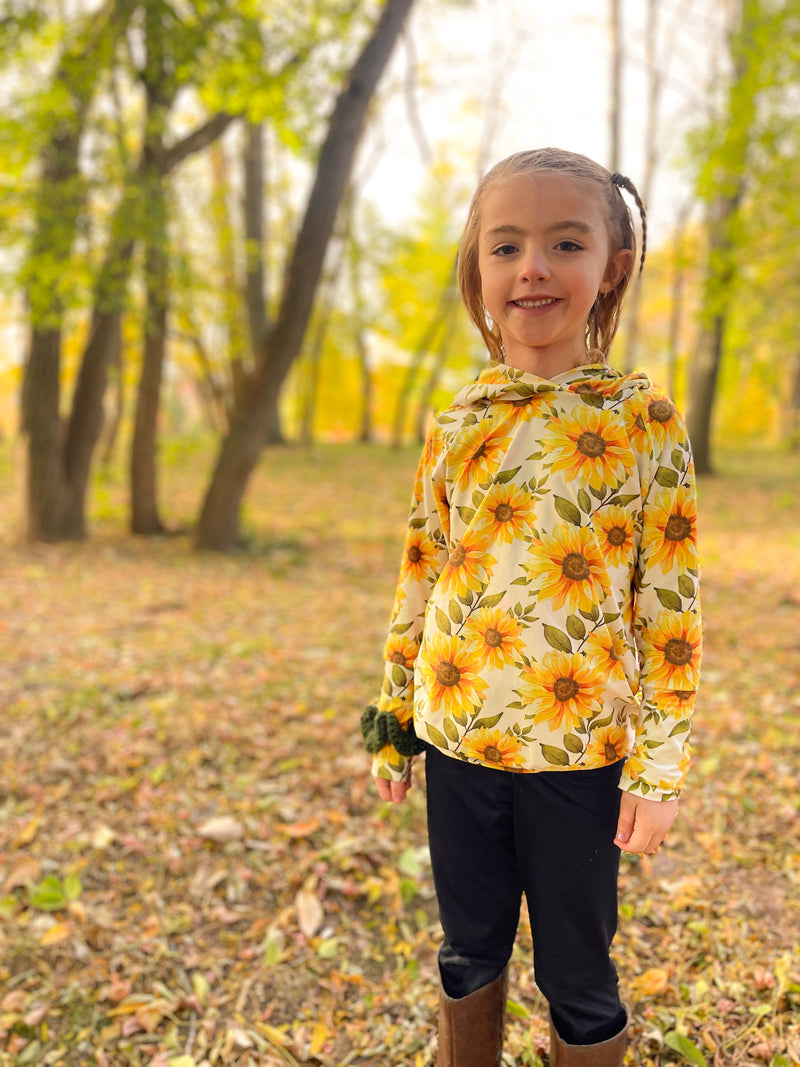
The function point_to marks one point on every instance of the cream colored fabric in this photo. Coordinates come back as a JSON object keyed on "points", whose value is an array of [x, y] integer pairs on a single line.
{"points": [[547, 613]]}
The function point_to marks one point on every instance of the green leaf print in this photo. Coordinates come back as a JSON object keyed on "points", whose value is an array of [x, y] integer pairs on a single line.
{"points": [[681, 727], [592, 615], [506, 476], [677, 457], [398, 675], [487, 723], [669, 599], [567, 510], [450, 729], [557, 756], [686, 586], [456, 614], [592, 400], [442, 622], [575, 628], [667, 477], [401, 628], [466, 514], [584, 502], [622, 500], [557, 638], [492, 600], [437, 737], [573, 743]]}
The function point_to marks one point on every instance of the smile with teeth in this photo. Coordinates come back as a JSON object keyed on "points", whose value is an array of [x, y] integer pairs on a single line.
{"points": [[544, 302]]}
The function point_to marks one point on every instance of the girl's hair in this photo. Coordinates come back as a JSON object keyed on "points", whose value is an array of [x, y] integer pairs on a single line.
{"points": [[604, 316]]}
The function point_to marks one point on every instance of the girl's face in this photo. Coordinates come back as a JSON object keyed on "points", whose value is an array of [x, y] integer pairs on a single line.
{"points": [[543, 256]]}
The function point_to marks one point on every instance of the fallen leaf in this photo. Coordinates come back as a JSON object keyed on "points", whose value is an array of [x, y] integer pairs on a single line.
{"points": [[310, 914], [221, 828], [25, 871]]}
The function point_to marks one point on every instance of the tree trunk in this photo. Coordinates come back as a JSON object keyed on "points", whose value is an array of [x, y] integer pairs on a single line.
{"points": [[86, 416], [676, 297], [144, 497], [218, 527], [652, 139], [60, 201], [615, 110], [218, 524], [726, 169], [46, 489], [704, 374], [110, 428], [794, 406]]}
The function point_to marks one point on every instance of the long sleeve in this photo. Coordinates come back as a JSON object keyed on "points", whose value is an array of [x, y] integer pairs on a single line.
{"points": [[386, 725], [666, 609]]}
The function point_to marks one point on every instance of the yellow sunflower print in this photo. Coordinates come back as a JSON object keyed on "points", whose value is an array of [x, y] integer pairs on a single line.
{"points": [[590, 446], [470, 564], [561, 690], [497, 636], [669, 536], [603, 653], [507, 513], [662, 420], [478, 454], [451, 675], [673, 650], [677, 703], [569, 569], [493, 747], [616, 527], [400, 649], [419, 557], [608, 745], [676, 781]]}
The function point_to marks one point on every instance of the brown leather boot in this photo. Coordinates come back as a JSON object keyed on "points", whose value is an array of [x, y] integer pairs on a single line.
{"points": [[610, 1053], [471, 1028]]}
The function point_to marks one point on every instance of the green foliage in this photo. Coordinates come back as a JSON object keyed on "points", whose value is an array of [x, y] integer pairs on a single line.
{"points": [[53, 894]]}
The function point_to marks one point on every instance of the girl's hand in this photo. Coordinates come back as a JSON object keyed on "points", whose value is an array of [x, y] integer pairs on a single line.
{"points": [[394, 791], [643, 824]]}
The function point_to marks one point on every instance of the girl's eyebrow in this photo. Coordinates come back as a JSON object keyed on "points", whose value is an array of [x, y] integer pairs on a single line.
{"points": [[567, 224], [571, 224]]}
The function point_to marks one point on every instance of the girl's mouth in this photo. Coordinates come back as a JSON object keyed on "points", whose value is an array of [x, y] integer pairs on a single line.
{"points": [[543, 302]]}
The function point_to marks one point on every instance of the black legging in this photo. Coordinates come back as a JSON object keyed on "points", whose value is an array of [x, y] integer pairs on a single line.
{"points": [[495, 834]]}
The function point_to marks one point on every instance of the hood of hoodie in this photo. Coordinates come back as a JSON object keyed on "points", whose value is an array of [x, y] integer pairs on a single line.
{"points": [[499, 382]]}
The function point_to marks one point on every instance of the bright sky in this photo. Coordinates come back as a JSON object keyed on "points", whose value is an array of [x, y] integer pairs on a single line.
{"points": [[549, 60]]}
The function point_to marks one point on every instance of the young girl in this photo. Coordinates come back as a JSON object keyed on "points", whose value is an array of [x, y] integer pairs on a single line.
{"points": [[545, 640]]}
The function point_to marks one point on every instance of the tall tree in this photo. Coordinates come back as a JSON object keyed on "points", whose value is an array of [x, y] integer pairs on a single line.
{"points": [[734, 165], [54, 457], [218, 523], [60, 453]]}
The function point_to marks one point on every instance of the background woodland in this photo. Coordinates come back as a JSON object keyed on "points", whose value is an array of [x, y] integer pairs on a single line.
{"points": [[215, 335]]}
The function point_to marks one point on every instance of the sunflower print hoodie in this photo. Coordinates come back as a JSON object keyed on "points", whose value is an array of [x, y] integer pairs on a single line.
{"points": [[547, 613]]}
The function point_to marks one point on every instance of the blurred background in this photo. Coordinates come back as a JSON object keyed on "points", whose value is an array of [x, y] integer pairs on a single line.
{"points": [[238, 221]]}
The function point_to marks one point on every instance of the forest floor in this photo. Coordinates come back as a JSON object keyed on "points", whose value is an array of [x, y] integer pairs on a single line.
{"points": [[194, 868]]}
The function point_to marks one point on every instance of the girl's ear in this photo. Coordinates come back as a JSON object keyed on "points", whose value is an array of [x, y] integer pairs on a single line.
{"points": [[619, 266]]}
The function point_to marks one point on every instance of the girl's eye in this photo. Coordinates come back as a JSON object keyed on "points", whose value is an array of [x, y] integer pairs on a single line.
{"points": [[568, 246], [504, 250]]}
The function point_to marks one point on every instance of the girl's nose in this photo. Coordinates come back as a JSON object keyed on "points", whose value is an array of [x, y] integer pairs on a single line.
{"points": [[533, 266]]}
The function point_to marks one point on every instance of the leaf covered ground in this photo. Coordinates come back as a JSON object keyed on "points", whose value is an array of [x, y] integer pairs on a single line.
{"points": [[193, 868]]}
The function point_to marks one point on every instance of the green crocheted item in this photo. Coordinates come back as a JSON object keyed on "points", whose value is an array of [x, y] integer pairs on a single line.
{"points": [[381, 728]]}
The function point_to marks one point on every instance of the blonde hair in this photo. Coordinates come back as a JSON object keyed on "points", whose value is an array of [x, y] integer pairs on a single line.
{"points": [[604, 316]]}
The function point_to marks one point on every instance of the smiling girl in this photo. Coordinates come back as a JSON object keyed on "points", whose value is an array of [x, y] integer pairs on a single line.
{"points": [[548, 613]]}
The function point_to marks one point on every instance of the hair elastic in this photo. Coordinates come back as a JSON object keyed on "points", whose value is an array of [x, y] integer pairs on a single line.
{"points": [[619, 180]]}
